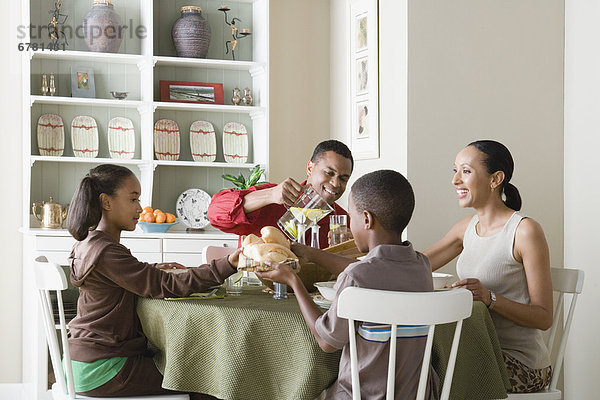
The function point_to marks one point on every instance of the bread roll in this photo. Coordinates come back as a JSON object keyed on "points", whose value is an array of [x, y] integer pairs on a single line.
{"points": [[270, 234], [261, 252], [251, 239]]}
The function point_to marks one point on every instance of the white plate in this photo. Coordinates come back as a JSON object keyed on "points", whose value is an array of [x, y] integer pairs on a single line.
{"points": [[321, 301], [191, 208]]}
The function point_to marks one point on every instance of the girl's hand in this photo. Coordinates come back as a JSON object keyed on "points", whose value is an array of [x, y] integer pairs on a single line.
{"points": [[171, 265], [280, 273], [479, 291], [234, 258]]}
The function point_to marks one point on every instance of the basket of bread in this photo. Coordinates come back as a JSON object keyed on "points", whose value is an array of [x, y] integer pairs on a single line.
{"points": [[272, 245]]}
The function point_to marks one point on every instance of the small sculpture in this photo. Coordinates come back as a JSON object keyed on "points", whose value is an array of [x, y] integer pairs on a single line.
{"points": [[236, 97], [44, 87], [235, 34], [247, 97], [52, 86]]}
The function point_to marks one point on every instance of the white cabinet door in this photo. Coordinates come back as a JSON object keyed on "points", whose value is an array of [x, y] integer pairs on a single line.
{"points": [[187, 259], [195, 245]]}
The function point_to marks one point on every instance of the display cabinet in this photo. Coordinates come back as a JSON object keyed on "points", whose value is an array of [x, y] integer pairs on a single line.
{"points": [[146, 56]]}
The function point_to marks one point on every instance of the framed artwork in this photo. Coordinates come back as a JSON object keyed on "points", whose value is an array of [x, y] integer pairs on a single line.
{"points": [[82, 82], [364, 87], [191, 92]]}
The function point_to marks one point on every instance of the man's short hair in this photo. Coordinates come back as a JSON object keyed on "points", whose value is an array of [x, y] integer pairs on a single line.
{"points": [[387, 195], [332, 145]]}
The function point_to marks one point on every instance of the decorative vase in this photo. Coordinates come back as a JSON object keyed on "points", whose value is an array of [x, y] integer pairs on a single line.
{"points": [[235, 100], [247, 97], [44, 87], [51, 135], [191, 33], [121, 138], [103, 27], [84, 136], [235, 143], [52, 86]]}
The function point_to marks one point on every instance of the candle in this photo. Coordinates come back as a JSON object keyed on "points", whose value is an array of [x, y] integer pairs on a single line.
{"points": [[245, 30], [224, 8]]}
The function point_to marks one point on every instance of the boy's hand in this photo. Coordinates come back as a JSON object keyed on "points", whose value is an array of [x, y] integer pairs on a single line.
{"points": [[302, 251], [234, 258], [280, 273]]}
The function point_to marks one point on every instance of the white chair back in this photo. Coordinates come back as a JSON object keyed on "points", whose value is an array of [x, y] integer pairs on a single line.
{"points": [[564, 281], [403, 308], [50, 277]]}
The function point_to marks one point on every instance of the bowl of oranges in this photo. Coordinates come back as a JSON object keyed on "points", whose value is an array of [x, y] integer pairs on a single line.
{"points": [[156, 221]]}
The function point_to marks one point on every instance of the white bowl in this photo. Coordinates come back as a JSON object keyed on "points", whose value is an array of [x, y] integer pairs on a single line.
{"points": [[441, 280], [326, 289]]}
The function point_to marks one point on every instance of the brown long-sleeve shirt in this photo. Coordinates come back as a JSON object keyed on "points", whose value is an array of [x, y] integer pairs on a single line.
{"points": [[109, 279]]}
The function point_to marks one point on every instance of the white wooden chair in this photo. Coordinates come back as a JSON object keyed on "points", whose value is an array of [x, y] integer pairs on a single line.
{"points": [[403, 308], [210, 253], [563, 281], [50, 277]]}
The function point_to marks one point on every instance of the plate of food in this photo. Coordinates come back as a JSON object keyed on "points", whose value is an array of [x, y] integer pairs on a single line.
{"points": [[321, 301], [192, 208]]}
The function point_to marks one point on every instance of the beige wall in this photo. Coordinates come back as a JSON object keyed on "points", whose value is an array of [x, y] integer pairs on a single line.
{"points": [[582, 192], [299, 95], [479, 70], [10, 198]]}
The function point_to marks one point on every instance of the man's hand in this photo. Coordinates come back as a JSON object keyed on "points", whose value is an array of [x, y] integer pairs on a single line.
{"points": [[286, 192]]}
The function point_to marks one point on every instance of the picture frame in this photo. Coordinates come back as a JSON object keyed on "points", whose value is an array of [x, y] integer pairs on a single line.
{"points": [[191, 92], [82, 82], [364, 85]]}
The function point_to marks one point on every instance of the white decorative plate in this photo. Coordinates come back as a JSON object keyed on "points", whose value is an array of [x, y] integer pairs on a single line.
{"points": [[166, 140], [203, 142], [235, 143], [192, 207], [321, 301], [51, 135], [84, 136], [121, 138]]}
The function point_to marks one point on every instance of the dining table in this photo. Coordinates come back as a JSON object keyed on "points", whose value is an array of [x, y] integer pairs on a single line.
{"points": [[254, 347]]}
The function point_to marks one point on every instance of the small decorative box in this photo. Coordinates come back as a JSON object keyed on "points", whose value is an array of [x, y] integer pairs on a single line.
{"points": [[51, 135], [235, 143], [166, 140], [84, 136], [203, 141], [121, 138]]}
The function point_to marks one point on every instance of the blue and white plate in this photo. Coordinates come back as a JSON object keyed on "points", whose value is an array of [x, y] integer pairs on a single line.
{"points": [[192, 208]]}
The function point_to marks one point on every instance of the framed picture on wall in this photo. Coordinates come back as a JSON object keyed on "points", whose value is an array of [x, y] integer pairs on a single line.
{"points": [[191, 92], [82, 82], [364, 87]]}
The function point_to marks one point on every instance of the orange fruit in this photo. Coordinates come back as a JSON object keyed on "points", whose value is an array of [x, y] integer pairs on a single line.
{"points": [[149, 217], [157, 211], [160, 218], [147, 209], [170, 218]]}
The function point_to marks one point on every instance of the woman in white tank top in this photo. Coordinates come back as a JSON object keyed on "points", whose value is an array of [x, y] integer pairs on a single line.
{"points": [[504, 260]]}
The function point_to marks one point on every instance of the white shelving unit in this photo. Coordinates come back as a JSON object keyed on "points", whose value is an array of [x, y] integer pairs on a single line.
{"points": [[142, 62]]}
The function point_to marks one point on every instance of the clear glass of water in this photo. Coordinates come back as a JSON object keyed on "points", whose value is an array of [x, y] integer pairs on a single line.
{"points": [[234, 284], [338, 226]]}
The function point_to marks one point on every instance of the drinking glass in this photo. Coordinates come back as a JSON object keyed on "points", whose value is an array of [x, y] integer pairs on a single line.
{"points": [[338, 226], [234, 284]]}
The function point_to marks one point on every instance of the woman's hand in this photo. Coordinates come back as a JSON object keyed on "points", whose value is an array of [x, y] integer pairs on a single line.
{"points": [[171, 265], [280, 273], [479, 291], [234, 258]]}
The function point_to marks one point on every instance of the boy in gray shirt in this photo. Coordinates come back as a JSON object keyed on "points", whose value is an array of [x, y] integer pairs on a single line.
{"points": [[381, 205]]}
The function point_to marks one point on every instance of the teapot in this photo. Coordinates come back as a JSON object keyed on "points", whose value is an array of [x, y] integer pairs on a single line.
{"points": [[53, 214]]}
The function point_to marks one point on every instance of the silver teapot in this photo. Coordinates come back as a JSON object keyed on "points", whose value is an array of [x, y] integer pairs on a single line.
{"points": [[53, 214]]}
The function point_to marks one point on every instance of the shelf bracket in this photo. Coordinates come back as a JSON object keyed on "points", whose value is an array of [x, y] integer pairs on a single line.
{"points": [[31, 162], [256, 114], [143, 65], [144, 109]]}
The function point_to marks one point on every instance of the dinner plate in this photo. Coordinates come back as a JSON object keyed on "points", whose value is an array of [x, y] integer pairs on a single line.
{"points": [[192, 208], [321, 301]]}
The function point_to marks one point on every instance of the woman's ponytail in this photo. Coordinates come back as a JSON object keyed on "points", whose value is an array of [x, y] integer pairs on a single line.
{"points": [[85, 211], [513, 198]]}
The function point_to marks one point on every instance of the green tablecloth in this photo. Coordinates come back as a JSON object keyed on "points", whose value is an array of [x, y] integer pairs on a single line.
{"points": [[255, 347], [246, 347]]}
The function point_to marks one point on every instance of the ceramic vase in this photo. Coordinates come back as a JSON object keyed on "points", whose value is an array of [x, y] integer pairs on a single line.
{"points": [[102, 27], [203, 141], [166, 140], [121, 138], [84, 136], [51, 135], [235, 143], [191, 33]]}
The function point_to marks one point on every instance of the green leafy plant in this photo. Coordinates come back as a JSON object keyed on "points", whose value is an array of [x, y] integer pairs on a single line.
{"points": [[242, 183]]}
